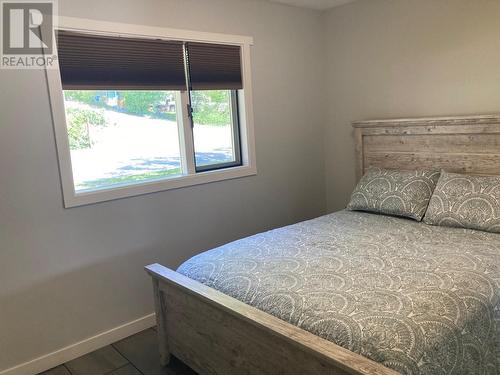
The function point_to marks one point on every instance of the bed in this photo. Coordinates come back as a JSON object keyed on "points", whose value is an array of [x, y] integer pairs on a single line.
{"points": [[350, 292]]}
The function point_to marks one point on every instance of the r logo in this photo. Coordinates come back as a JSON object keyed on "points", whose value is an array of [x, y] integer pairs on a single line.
{"points": [[23, 24]]}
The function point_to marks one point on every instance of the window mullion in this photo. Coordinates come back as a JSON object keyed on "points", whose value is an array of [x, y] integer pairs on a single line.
{"points": [[236, 126], [186, 135]]}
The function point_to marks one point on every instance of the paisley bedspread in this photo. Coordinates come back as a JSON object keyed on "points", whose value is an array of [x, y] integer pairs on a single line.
{"points": [[417, 298]]}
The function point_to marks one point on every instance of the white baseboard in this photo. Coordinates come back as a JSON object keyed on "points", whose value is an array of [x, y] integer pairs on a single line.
{"points": [[83, 347]]}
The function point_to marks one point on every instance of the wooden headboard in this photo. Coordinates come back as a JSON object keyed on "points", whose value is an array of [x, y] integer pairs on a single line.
{"points": [[468, 144]]}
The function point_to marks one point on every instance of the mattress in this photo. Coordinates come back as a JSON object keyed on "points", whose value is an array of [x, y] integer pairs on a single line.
{"points": [[417, 298]]}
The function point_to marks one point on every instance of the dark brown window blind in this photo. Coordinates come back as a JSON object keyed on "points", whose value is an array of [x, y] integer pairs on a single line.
{"points": [[214, 66], [107, 62]]}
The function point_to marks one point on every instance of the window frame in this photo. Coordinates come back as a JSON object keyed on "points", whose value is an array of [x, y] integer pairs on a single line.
{"points": [[235, 130], [191, 176]]}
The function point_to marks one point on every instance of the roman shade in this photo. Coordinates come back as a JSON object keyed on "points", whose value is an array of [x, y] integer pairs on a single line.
{"points": [[108, 62], [214, 66]]}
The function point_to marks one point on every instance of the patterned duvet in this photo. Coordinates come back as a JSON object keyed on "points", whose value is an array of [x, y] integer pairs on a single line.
{"points": [[417, 298]]}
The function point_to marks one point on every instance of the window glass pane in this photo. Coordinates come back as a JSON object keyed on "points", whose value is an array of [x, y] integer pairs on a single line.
{"points": [[121, 137], [214, 135]]}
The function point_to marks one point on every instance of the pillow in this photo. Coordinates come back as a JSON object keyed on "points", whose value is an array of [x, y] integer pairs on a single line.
{"points": [[394, 192], [464, 201]]}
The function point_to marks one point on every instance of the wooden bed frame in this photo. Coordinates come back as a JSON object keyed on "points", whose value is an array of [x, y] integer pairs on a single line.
{"points": [[217, 334], [468, 144]]}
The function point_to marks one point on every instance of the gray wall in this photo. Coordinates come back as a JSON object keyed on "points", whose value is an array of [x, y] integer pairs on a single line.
{"points": [[67, 274], [393, 58]]}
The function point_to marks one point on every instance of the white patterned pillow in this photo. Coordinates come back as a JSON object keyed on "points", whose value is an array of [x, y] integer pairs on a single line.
{"points": [[464, 201], [394, 192]]}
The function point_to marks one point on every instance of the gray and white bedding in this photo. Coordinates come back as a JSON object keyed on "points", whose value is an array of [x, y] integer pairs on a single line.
{"points": [[417, 298]]}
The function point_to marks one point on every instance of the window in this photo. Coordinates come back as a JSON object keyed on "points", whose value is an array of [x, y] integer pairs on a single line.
{"points": [[120, 137], [156, 110], [217, 145]]}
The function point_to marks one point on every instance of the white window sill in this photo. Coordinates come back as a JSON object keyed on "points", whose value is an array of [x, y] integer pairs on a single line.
{"points": [[90, 197]]}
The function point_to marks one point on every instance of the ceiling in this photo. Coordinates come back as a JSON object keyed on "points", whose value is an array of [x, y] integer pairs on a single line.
{"points": [[314, 4]]}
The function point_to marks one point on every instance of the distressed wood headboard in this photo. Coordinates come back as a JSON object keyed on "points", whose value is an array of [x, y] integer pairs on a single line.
{"points": [[468, 144]]}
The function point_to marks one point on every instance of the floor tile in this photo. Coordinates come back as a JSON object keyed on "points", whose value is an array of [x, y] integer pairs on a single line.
{"points": [[100, 362], [125, 370], [176, 367], [142, 351], [59, 370]]}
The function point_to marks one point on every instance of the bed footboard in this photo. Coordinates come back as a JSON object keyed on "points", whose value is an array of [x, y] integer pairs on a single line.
{"points": [[217, 334]]}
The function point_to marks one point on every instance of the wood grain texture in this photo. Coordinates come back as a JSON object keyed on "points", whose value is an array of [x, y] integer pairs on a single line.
{"points": [[482, 164], [359, 145], [217, 334], [457, 143], [160, 310], [467, 144], [426, 121]]}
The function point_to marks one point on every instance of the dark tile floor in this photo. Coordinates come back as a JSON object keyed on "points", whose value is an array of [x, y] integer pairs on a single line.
{"points": [[135, 355]]}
